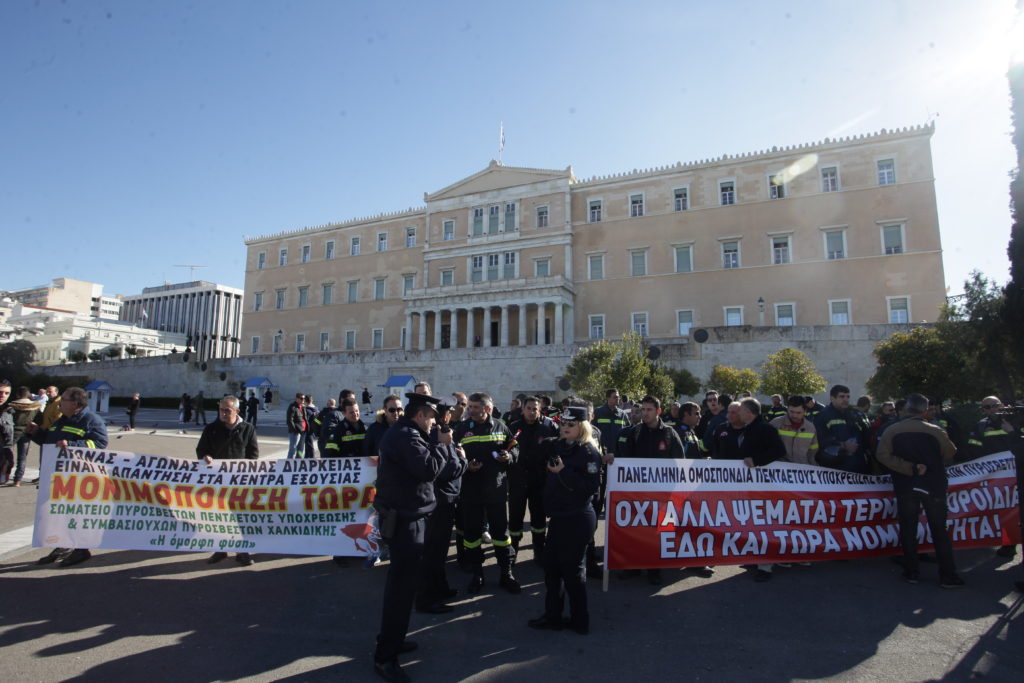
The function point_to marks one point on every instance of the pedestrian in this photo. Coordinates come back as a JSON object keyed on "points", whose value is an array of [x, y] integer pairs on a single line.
{"points": [[295, 418], [198, 408], [759, 445], [243, 407], [918, 453], [409, 464], [842, 433], [6, 432], [367, 397], [268, 396], [133, 411], [185, 409], [25, 411], [254, 408], [573, 464], [527, 476], [228, 438], [311, 418]]}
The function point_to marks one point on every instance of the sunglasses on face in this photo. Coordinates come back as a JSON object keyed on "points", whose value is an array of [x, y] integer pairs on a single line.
{"points": [[569, 423], [395, 410]]}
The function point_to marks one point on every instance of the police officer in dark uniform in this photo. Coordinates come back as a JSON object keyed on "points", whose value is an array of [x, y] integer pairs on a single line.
{"points": [[489, 448], [409, 463], [574, 466]]}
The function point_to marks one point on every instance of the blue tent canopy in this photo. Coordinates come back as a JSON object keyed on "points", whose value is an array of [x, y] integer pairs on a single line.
{"points": [[398, 381], [98, 385], [257, 382]]}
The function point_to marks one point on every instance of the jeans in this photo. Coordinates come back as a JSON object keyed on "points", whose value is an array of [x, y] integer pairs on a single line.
{"points": [[296, 440], [24, 443]]}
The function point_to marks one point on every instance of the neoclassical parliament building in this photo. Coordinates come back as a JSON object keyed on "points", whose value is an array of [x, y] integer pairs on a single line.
{"points": [[837, 232]]}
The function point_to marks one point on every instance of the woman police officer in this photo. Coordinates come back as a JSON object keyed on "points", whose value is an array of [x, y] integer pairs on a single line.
{"points": [[574, 467]]}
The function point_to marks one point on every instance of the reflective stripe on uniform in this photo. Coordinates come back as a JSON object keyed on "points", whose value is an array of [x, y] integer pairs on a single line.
{"points": [[835, 423], [333, 447], [501, 542], [973, 442], [90, 443], [484, 438], [469, 545], [73, 430], [799, 435], [352, 437], [996, 432], [516, 534], [539, 529]]}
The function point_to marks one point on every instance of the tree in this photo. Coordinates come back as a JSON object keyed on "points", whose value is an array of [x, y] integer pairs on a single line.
{"points": [[922, 361], [789, 372], [15, 358], [732, 381], [684, 382], [131, 350], [76, 356], [113, 352], [95, 355], [1013, 304], [623, 364]]}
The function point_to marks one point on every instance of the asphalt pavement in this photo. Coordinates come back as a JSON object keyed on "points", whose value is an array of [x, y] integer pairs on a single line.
{"points": [[161, 616]]}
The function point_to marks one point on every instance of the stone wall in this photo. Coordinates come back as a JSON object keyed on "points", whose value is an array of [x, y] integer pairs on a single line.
{"points": [[842, 354]]}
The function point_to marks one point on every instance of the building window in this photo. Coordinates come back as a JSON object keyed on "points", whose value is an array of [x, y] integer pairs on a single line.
{"points": [[300, 343], [329, 250], [378, 289], [597, 327], [830, 179], [257, 302], [776, 187], [636, 205], [542, 216], [478, 221], [785, 315], [350, 340], [477, 269], [325, 341], [684, 321], [277, 343], [886, 172], [410, 237], [681, 199], [255, 348], [306, 249], [327, 296], [378, 338], [899, 309], [279, 299], [835, 244], [510, 217], [595, 211], [510, 265], [595, 264], [892, 239], [727, 192], [353, 248], [303, 297], [733, 316], [407, 284], [353, 291], [282, 257], [493, 218], [492, 266], [839, 312], [382, 241], [730, 254], [638, 262], [261, 260], [447, 277], [780, 250], [402, 337], [639, 323], [684, 259], [542, 267], [448, 230]]}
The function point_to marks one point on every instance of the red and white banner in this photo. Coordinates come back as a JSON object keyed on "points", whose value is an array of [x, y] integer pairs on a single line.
{"points": [[684, 513]]}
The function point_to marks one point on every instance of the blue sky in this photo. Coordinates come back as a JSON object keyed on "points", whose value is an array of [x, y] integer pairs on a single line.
{"points": [[138, 135]]}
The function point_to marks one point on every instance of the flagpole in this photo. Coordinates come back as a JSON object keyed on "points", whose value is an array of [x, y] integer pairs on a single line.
{"points": [[501, 139]]}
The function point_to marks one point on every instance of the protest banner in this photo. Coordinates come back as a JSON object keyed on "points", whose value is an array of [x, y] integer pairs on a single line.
{"points": [[131, 501], [684, 513]]}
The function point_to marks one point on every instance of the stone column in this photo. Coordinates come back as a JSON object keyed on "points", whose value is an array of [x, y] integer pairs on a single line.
{"points": [[455, 329], [423, 331], [559, 332], [438, 317], [542, 317], [504, 325], [486, 336], [570, 326], [522, 324], [408, 330]]}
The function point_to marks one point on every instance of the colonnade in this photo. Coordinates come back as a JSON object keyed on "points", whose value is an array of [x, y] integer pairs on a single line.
{"points": [[471, 325]]}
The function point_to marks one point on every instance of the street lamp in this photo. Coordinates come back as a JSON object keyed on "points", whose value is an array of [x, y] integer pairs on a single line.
{"points": [[760, 310]]}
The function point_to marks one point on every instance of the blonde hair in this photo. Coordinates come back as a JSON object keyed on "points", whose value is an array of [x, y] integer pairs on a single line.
{"points": [[587, 434]]}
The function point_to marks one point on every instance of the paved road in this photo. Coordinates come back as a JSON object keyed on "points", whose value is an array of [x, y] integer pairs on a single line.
{"points": [[132, 615]]}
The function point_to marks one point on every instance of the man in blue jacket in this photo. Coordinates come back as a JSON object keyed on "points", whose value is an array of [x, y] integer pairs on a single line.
{"points": [[79, 427], [842, 434]]}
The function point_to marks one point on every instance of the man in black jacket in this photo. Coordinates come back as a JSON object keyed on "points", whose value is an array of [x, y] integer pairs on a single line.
{"points": [[228, 438], [528, 475], [918, 452], [409, 464], [759, 445]]}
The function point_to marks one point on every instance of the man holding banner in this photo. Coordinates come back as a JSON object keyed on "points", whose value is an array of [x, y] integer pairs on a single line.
{"points": [[78, 426], [918, 452], [228, 438]]}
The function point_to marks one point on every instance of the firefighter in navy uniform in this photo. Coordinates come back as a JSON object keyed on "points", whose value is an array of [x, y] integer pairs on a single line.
{"points": [[345, 440], [78, 426], [611, 420], [573, 477], [994, 434], [527, 474], [487, 443], [409, 463]]}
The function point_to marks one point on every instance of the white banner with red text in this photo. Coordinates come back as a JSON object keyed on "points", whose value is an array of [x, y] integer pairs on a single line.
{"points": [[92, 498], [684, 513]]}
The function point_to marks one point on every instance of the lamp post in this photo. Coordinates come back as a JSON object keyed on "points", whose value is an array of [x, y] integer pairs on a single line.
{"points": [[760, 310]]}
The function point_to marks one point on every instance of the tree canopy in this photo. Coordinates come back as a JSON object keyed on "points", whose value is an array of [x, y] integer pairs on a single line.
{"points": [[789, 371], [15, 358], [623, 365]]}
